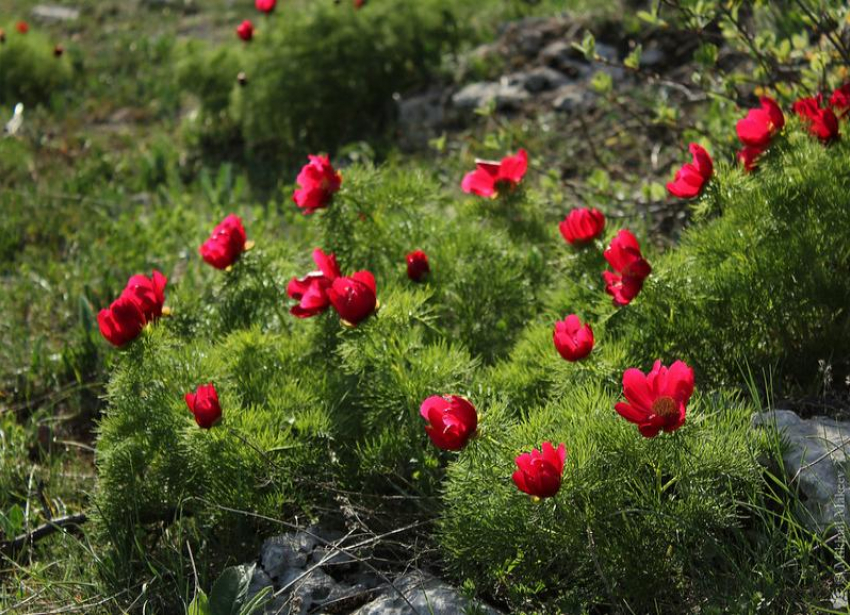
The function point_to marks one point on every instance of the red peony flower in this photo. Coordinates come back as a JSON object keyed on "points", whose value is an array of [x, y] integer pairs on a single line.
{"points": [[140, 302], [318, 181], [820, 121], [840, 100], [245, 30], [657, 400], [760, 125], [748, 157], [573, 340], [692, 177], [359, 4], [22, 27], [266, 6], [203, 404], [539, 472], [631, 268], [354, 298], [122, 322], [311, 291], [489, 178], [225, 244], [451, 421], [417, 265], [148, 293], [582, 226]]}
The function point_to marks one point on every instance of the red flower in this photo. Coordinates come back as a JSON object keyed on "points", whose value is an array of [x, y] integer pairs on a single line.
{"points": [[582, 225], [491, 177], [225, 244], [631, 268], [657, 400], [311, 291], [451, 421], [266, 6], [354, 298], [148, 293], [245, 30], [539, 472], [203, 404], [691, 178], [417, 265], [58, 50], [358, 4], [760, 125], [140, 302], [840, 99], [318, 181], [748, 157], [821, 121], [573, 340], [121, 322], [22, 27]]}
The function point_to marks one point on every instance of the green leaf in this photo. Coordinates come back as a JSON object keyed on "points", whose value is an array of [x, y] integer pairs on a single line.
{"points": [[200, 605], [587, 46], [14, 521], [602, 82], [257, 603], [706, 54], [230, 589], [633, 59]]}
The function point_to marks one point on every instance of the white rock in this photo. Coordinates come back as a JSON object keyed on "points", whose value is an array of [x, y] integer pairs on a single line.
{"points": [[816, 462], [50, 12], [427, 594]]}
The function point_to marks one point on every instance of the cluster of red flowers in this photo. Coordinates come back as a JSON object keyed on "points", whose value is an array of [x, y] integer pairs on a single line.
{"points": [[757, 130], [655, 402], [140, 302]]}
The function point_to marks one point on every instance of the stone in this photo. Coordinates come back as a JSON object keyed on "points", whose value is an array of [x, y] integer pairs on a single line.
{"points": [[571, 98], [328, 556], [816, 463], [475, 95], [283, 553], [426, 594], [259, 581], [565, 58], [53, 13], [539, 79], [420, 117]]}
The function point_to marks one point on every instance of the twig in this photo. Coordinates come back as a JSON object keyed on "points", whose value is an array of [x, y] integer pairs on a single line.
{"points": [[42, 531]]}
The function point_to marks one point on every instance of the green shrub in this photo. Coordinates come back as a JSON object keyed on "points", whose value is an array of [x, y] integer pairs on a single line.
{"points": [[29, 72], [319, 76], [634, 517], [760, 282], [310, 402]]}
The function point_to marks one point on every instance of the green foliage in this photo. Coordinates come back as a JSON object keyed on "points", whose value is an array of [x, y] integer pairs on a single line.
{"points": [[29, 72], [633, 519], [760, 284], [344, 93]]}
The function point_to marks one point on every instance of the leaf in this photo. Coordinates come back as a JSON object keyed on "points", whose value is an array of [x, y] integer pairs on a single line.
{"points": [[200, 605], [256, 604], [587, 46], [633, 59], [706, 54], [230, 589], [602, 83], [15, 521]]}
